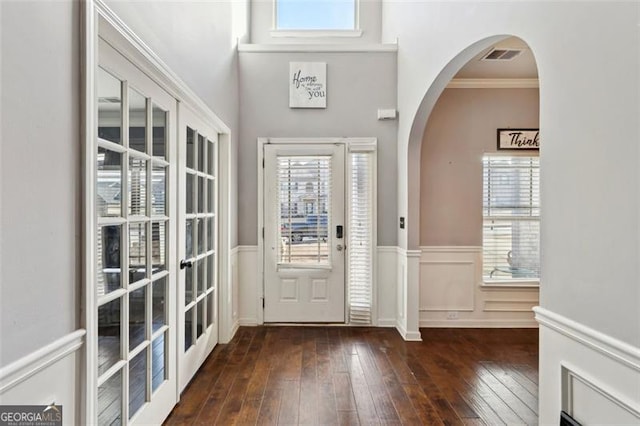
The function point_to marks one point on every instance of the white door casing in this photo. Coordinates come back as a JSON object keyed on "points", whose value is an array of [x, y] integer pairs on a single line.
{"points": [[304, 253]]}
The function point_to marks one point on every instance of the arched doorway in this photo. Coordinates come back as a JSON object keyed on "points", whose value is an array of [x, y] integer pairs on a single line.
{"points": [[479, 194]]}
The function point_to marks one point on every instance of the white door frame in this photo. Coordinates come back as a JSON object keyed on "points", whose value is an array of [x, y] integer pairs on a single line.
{"points": [[349, 143], [98, 20]]}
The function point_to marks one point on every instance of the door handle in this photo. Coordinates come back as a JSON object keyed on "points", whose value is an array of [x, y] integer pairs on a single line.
{"points": [[185, 264], [339, 247]]}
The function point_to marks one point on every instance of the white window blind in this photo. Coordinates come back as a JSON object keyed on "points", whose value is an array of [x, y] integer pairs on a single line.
{"points": [[360, 242], [511, 218], [304, 198]]}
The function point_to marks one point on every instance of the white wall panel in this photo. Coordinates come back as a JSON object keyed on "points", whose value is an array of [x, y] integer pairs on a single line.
{"points": [[592, 376], [452, 293]]}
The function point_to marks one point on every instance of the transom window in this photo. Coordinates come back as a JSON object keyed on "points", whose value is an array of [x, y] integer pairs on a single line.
{"points": [[315, 14], [511, 218]]}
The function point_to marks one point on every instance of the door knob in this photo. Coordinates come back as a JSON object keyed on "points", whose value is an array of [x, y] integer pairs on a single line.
{"points": [[185, 264], [339, 247]]}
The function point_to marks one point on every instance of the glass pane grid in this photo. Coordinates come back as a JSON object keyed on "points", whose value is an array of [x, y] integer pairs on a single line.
{"points": [[131, 129]]}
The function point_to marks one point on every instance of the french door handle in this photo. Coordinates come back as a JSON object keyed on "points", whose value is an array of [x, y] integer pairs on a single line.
{"points": [[339, 247], [185, 264]]}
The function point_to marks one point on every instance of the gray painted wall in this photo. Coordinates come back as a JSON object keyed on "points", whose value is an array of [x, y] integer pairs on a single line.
{"points": [[461, 129], [357, 85], [40, 179], [197, 40]]}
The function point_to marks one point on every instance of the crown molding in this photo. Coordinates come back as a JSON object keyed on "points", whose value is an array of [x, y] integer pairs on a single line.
{"points": [[493, 83]]}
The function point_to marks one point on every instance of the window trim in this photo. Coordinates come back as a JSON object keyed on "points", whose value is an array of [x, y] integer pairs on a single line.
{"points": [[315, 33]]}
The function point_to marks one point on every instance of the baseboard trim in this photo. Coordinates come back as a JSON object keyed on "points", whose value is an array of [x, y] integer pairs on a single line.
{"points": [[612, 348], [248, 322], [20, 370], [450, 249], [409, 336], [478, 323], [386, 322]]}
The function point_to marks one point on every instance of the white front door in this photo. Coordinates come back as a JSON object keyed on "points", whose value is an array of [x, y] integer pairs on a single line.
{"points": [[304, 233], [197, 243]]}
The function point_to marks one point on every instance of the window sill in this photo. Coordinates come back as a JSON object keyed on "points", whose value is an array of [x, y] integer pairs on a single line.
{"points": [[510, 284], [316, 33]]}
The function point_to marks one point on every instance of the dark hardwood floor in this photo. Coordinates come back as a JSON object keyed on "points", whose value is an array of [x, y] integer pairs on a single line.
{"points": [[367, 376]]}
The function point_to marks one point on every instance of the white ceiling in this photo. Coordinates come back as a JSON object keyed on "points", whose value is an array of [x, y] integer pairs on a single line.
{"points": [[522, 66]]}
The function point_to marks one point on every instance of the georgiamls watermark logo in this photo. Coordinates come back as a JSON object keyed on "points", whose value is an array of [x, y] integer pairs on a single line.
{"points": [[31, 415]]}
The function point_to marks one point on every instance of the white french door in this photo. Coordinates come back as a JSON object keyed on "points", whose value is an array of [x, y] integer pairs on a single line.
{"points": [[198, 243], [304, 251], [136, 163]]}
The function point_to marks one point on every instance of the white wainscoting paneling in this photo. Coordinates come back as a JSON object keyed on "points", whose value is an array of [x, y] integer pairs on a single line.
{"points": [[50, 374], [452, 293], [445, 285], [250, 289], [387, 282], [592, 376]]}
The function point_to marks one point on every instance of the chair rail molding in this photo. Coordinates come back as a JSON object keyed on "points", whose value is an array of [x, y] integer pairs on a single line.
{"points": [[615, 349], [37, 361]]}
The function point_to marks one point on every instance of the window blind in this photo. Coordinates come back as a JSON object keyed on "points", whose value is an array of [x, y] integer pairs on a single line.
{"points": [[511, 218], [304, 196], [360, 231]]}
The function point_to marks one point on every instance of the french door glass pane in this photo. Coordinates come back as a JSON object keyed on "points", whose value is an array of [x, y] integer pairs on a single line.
{"points": [[137, 121], [200, 227], [109, 183], [159, 131], [109, 107], [201, 154], [159, 303], [159, 190], [137, 252], [211, 272], [189, 191], [188, 285], [158, 247], [200, 275], [137, 382], [211, 199], [158, 351], [109, 339], [188, 329], [210, 308], [201, 192], [200, 316], [110, 401], [137, 317], [191, 140], [137, 187], [108, 255], [211, 160], [189, 237], [210, 234]]}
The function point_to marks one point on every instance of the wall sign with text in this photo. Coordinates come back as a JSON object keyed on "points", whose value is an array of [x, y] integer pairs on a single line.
{"points": [[307, 84], [518, 138]]}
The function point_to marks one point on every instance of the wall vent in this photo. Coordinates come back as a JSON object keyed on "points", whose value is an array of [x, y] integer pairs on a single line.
{"points": [[501, 54]]}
